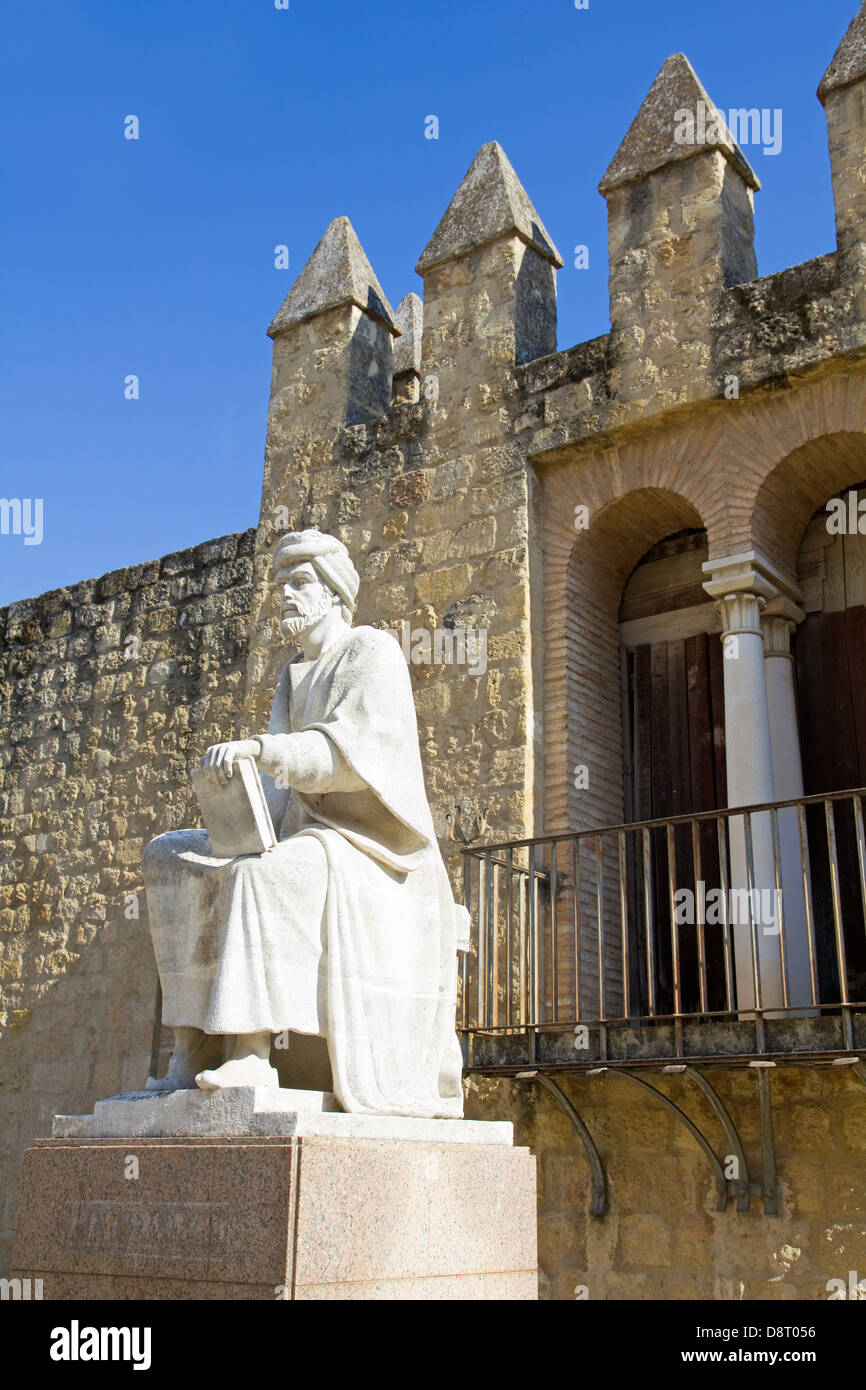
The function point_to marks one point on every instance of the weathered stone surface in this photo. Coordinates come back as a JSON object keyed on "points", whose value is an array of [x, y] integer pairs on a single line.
{"points": [[337, 273], [649, 143], [490, 202], [843, 94], [255, 1111], [848, 63], [410, 321]]}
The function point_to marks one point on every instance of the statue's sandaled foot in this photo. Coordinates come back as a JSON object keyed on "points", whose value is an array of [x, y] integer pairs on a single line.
{"points": [[193, 1050], [246, 1071]]}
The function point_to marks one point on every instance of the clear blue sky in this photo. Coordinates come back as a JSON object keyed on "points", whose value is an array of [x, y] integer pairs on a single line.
{"points": [[257, 126]]}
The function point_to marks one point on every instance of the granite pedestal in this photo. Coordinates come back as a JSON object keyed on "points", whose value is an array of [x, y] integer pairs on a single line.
{"points": [[249, 1194]]}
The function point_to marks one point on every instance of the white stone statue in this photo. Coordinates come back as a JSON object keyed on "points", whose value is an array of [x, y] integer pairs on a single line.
{"points": [[348, 929]]}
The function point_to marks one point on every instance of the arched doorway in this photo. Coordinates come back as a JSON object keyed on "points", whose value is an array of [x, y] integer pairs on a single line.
{"points": [[584, 759]]}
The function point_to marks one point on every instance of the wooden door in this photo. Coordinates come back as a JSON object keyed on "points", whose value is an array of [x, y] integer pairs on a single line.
{"points": [[675, 765]]}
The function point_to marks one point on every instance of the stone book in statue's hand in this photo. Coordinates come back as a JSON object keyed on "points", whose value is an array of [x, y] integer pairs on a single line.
{"points": [[235, 813]]}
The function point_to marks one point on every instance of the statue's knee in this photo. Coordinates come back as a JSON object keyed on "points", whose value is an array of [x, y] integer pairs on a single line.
{"points": [[159, 851]]}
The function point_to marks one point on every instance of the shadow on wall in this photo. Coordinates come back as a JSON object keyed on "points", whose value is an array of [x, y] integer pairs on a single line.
{"points": [[87, 1034]]}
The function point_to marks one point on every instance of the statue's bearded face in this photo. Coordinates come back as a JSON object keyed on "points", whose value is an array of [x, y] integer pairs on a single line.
{"points": [[304, 600]]}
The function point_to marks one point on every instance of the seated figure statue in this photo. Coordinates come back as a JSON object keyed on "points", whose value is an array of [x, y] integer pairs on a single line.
{"points": [[348, 929]]}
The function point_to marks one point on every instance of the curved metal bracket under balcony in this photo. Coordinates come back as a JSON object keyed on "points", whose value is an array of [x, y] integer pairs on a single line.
{"points": [[599, 1203], [734, 1187]]}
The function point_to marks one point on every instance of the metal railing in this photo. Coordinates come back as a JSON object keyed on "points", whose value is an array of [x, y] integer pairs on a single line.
{"points": [[748, 912]]}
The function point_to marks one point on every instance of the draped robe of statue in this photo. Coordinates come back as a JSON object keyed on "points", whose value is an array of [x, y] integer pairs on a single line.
{"points": [[348, 928]]}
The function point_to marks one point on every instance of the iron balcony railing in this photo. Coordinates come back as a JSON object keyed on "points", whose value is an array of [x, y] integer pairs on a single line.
{"points": [[754, 913]]}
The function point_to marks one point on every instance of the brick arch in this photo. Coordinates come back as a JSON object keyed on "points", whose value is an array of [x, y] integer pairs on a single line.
{"points": [[585, 573], [764, 455], [716, 471], [801, 482]]}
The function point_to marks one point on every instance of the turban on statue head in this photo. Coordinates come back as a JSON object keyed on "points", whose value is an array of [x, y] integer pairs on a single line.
{"points": [[329, 557]]}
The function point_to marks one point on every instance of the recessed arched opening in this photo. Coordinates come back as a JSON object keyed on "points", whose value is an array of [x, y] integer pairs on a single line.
{"points": [[829, 651], [614, 574], [673, 754], [800, 484], [602, 559]]}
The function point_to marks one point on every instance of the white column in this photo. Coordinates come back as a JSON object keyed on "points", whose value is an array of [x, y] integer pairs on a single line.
{"points": [[778, 625], [749, 764], [748, 748], [778, 622], [744, 585]]}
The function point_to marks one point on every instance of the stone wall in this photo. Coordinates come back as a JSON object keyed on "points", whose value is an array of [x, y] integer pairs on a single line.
{"points": [[109, 691], [662, 1237]]}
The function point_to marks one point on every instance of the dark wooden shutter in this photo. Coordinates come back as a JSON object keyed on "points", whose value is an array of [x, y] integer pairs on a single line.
{"points": [[676, 759], [830, 657]]}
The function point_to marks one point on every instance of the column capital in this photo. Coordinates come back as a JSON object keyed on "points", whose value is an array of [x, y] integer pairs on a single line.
{"points": [[777, 635], [740, 613], [778, 621]]}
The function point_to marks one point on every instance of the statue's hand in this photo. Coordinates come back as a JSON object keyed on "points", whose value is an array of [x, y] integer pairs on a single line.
{"points": [[219, 760]]}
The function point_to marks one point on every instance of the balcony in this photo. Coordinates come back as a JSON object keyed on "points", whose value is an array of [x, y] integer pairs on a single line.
{"points": [[733, 937]]}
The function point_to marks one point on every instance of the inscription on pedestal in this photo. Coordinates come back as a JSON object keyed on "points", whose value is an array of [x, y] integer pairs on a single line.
{"points": [[189, 1231]]}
